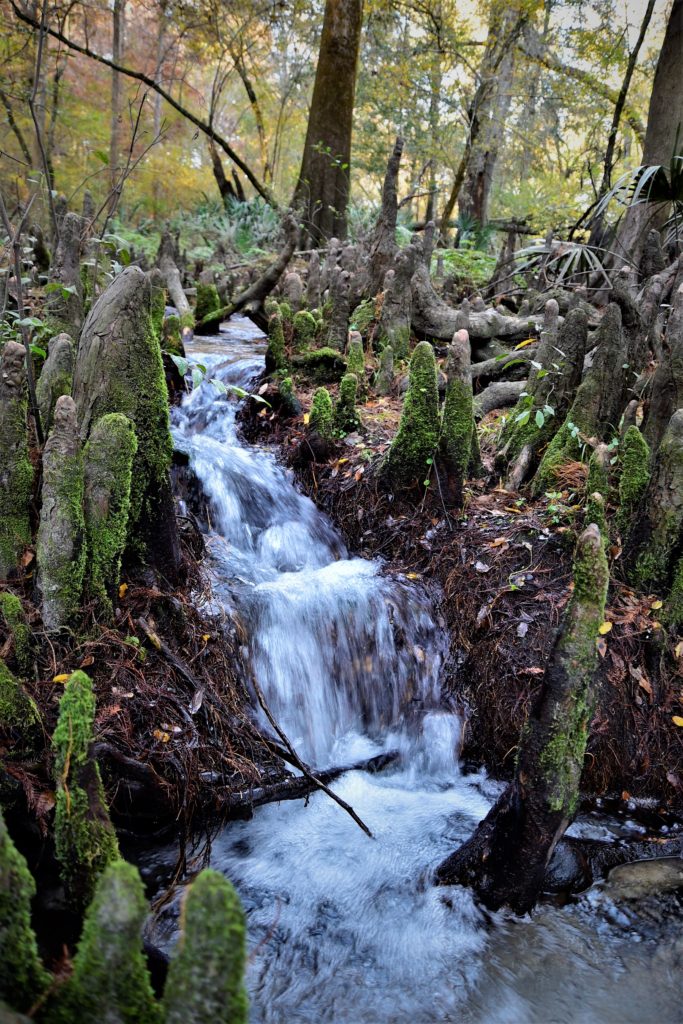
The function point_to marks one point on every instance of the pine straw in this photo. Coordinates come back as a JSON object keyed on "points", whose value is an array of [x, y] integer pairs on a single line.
{"points": [[173, 745]]}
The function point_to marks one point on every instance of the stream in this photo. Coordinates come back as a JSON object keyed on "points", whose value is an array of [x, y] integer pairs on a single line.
{"points": [[342, 928]]}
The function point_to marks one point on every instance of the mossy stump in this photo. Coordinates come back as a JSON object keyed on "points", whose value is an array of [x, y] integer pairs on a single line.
{"points": [[110, 981], [457, 425], [56, 377], [355, 361], [596, 409], [384, 381], [12, 613], [60, 544], [304, 330], [346, 418], [16, 471], [408, 460], [598, 489], [85, 840], [276, 356], [20, 722], [660, 532], [505, 859], [206, 975], [119, 369], [634, 462], [23, 978], [108, 464], [207, 310], [321, 415]]}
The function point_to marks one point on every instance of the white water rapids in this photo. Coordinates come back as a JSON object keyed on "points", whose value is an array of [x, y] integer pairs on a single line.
{"points": [[344, 929]]}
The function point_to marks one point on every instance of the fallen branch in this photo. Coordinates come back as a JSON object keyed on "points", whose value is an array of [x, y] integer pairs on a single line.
{"points": [[499, 395], [303, 768]]}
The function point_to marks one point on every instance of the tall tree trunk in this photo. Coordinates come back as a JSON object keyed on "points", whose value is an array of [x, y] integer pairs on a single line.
{"points": [[473, 177], [664, 121], [488, 115], [322, 191], [596, 229], [116, 94]]}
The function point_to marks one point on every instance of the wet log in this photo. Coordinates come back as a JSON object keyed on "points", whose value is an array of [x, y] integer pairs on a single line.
{"points": [[505, 860], [498, 395], [166, 260]]}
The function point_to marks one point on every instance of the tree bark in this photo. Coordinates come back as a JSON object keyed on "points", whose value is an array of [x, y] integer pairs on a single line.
{"points": [[664, 122], [322, 191], [118, 26]]}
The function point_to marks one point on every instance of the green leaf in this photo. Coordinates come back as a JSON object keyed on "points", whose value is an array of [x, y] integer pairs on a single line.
{"points": [[180, 362], [36, 350], [523, 417], [540, 418]]}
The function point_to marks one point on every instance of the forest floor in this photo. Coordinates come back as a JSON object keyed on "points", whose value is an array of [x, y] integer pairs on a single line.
{"points": [[503, 569]]}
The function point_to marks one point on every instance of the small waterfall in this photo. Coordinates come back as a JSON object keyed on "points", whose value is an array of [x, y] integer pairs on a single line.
{"points": [[345, 655]]}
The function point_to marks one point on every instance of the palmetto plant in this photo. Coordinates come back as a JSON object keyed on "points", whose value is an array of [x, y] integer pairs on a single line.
{"points": [[561, 262]]}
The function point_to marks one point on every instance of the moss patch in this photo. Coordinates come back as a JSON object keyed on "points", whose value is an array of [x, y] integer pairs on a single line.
{"points": [[406, 462], [635, 476]]}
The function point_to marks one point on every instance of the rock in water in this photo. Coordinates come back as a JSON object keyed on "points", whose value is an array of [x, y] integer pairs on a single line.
{"points": [[60, 545], [16, 471], [119, 369]]}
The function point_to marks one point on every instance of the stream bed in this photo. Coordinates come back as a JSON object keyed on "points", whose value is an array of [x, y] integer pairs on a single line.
{"points": [[344, 929]]}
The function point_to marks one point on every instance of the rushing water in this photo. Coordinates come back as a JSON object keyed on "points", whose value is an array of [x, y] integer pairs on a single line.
{"points": [[345, 929]]}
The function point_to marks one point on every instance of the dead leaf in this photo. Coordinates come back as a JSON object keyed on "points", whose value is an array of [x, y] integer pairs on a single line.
{"points": [[88, 660], [601, 647], [605, 628], [677, 720], [482, 567], [196, 702], [122, 590], [159, 734], [63, 677]]}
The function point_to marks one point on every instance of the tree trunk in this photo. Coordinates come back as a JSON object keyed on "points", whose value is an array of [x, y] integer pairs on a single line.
{"points": [[116, 94], [506, 858], [383, 246], [664, 121], [322, 191]]}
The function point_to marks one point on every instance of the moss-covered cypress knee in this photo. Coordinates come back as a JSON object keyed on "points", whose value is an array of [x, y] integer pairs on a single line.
{"points": [[108, 459], [12, 613], [205, 979], [22, 976], [385, 375], [291, 405], [346, 417], [305, 328], [56, 377], [207, 309], [321, 416], [60, 545], [355, 360], [635, 475], [172, 336], [662, 522], [85, 839], [407, 461], [455, 443], [119, 369], [110, 980], [16, 471], [276, 357], [598, 490], [20, 723]]}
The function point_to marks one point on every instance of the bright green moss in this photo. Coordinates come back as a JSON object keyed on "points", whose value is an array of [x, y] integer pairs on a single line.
{"points": [[305, 329], [109, 456], [19, 716], [673, 607], [563, 448], [207, 302], [346, 418], [398, 338], [16, 485], [363, 317], [158, 304], [61, 572], [172, 339], [276, 358], [286, 315], [597, 492], [455, 444], [321, 416], [290, 402], [22, 976], [562, 758], [206, 975], [355, 362], [635, 476], [385, 375], [110, 980], [85, 841], [15, 620], [323, 365], [407, 461]]}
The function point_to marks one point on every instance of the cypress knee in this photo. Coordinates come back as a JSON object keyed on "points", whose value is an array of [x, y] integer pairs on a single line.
{"points": [[16, 471]]}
